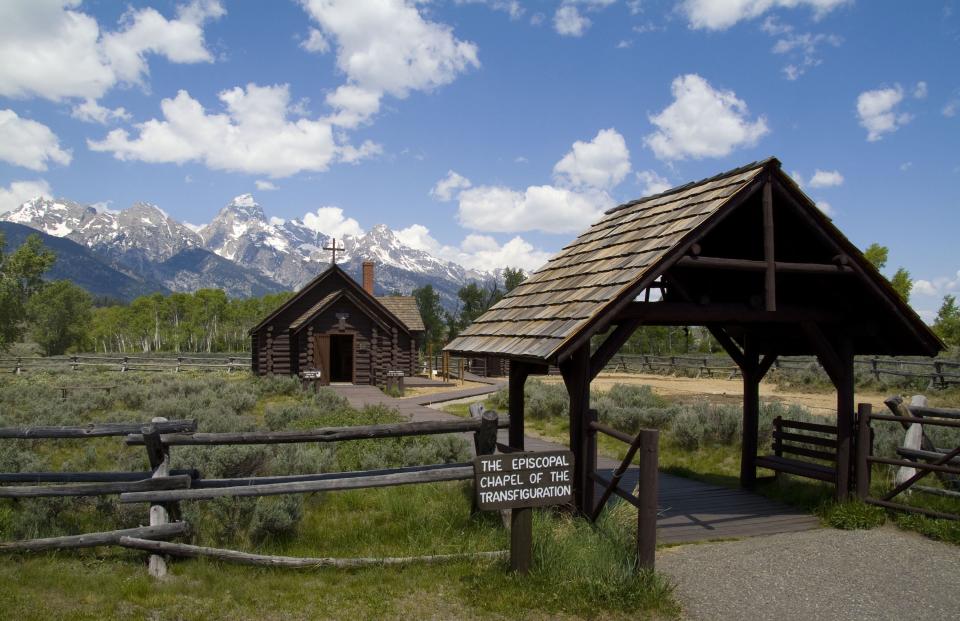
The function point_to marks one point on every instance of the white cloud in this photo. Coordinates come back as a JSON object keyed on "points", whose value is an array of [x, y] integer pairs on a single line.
{"points": [[479, 252], [652, 182], [513, 8], [266, 186], [254, 135], [624, 44], [92, 112], [826, 179], [315, 42], [26, 143], [949, 109], [20, 192], [53, 51], [449, 186], [801, 48], [568, 21], [576, 199], [601, 163], [702, 122], [520, 160], [906, 166], [541, 207], [938, 286], [386, 47], [722, 14], [878, 113], [330, 221], [920, 90], [825, 207]]}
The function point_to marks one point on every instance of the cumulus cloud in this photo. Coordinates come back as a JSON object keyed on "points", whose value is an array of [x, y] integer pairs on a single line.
{"points": [[479, 252], [652, 182], [720, 15], [255, 134], [801, 48], [26, 143], [449, 186], [386, 47], [920, 90], [825, 207], [331, 221], [315, 42], [577, 197], [513, 8], [19, 192], [826, 179], [878, 112], [54, 51], [568, 21], [601, 163], [938, 286], [702, 122], [263, 184], [92, 112]]}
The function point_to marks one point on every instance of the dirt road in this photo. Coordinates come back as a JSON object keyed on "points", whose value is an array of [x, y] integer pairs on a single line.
{"points": [[728, 391]]}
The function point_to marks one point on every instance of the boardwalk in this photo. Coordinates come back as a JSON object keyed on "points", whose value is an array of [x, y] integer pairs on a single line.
{"points": [[690, 510]]}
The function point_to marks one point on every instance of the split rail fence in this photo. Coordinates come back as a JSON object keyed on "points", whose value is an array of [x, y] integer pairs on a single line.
{"points": [[163, 488], [125, 363]]}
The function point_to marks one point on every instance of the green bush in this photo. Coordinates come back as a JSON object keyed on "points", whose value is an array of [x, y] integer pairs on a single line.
{"points": [[851, 515]]}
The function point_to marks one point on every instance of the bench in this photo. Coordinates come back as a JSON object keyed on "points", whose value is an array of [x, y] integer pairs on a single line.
{"points": [[793, 442]]}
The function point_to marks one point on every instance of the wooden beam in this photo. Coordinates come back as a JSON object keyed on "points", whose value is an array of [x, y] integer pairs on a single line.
{"points": [[825, 352], [751, 416], [181, 481], [686, 314], [517, 380], [765, 364], [747, 265], [612, 344], [770, 275], [729, 345], [91, 540], [576, 377]]}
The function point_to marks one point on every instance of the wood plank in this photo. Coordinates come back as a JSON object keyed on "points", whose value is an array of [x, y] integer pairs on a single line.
{"points": [[90, 540]]}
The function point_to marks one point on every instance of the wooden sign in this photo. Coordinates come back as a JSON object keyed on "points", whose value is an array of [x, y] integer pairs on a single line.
{"points": [[394, 373], [519, 480], [312, 374]]}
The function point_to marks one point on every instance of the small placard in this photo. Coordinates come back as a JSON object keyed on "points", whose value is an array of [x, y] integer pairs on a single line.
{"points": [[311, 374], [516, 480], [394, 373]]}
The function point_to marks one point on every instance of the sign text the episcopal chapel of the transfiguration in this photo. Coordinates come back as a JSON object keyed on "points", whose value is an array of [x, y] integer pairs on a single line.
{"points": [[517, 480]]}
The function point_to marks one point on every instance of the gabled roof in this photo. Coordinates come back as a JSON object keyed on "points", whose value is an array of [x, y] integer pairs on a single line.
{"points": [[350, 285], [329, 300], [580, 288], [405, 308]]}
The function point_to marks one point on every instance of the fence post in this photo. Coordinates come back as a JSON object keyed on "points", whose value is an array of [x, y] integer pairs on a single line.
{"points": [[647, 493], [864, 449], [159, 458], [18, 369], [777, 440], [74, 360], [123, 365], [875, 367]]}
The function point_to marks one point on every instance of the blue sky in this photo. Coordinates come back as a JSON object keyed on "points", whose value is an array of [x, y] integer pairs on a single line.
{"points": [[489, 132]]}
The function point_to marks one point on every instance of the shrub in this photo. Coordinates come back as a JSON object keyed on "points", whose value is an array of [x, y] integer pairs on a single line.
{"points": [[852, 515], [275, 517]]}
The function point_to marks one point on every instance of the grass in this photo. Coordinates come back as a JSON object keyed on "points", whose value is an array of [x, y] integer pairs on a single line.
{"points": [[580, 570]]}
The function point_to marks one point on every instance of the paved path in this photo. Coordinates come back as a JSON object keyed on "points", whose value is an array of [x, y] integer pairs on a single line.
{"points": [[823, 574], [689, 510]]}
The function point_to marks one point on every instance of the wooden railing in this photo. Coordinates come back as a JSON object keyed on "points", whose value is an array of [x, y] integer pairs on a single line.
{"points": [[802, 439], [164, 488], [125, 363]]}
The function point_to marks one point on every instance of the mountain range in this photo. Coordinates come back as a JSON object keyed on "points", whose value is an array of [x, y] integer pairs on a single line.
{"points": [[142, 249]]}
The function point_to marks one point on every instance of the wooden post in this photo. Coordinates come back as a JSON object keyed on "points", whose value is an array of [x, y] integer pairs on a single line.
{"points": [[647, 491], [521, 540], [518, 378], [590, 461], [770, 278], [864, 449], [159, 458], [576, 377], [845, 413], [751, 419]]}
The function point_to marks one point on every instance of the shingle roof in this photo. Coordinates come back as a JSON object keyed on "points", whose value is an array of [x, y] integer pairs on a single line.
{"points": [[316, 308], [405, 308], [549, 309]]}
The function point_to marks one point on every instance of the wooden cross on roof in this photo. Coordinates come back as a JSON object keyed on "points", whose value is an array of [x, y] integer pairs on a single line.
{"points": [[333, 249]]}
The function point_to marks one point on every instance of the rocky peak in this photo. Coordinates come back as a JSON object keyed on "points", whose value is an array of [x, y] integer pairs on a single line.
{"points": [[57, 217]]}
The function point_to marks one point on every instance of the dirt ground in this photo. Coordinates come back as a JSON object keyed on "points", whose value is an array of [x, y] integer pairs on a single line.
{"points": [[720, 390], [430, 390]]}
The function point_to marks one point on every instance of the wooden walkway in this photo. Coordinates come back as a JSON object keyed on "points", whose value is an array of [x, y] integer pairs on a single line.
{"points": [[690, 510]]}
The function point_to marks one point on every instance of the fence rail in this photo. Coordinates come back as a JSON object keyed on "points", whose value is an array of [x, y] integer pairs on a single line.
{"points": [[23, 364], [939, 373]]}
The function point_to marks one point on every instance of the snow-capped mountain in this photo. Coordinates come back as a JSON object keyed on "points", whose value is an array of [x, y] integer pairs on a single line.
{"points": [[143, 240]]}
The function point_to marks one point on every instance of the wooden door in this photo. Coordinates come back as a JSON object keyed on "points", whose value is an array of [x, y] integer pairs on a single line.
{"points": [[321, 356]]}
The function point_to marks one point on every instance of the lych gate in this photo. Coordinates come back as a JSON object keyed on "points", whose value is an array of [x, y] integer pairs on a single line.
{"points": [[746, 254]]}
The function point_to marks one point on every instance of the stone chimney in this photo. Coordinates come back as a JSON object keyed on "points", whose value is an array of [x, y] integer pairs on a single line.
{"points": [[368, 276]]}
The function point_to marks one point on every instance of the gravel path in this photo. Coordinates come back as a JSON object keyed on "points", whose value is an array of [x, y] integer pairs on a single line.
{"points": [[822, 574]]}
